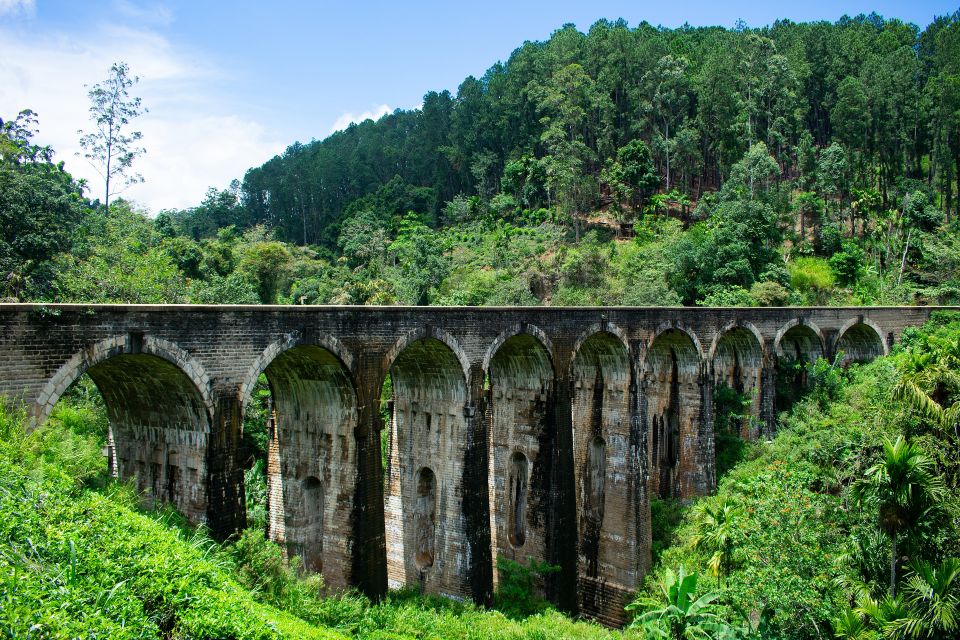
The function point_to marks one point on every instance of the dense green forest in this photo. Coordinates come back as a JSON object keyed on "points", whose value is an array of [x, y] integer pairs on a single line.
{"points": [[808, 163]]}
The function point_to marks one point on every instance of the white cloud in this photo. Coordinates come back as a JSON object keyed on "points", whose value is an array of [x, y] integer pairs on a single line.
{"points": [[16, 6], [193, 141], [151, 13], [347, 118]]}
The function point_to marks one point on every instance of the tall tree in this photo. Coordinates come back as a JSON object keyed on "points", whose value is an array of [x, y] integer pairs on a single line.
{"points": [[903, 488], [40, 209], [110, 147], [668, 88]]}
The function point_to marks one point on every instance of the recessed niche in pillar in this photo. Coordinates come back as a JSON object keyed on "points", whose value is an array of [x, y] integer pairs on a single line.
{"points": [[596, 479], [312, 524], [518, 499], [425, 518]]}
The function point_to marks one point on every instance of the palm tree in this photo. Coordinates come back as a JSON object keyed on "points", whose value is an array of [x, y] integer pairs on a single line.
{"points": [[903, 487], [932, 595], [929, 380], [715, 531], [850, 625]]}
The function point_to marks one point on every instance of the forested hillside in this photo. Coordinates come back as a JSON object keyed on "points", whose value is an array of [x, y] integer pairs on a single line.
{"points": [[808, 163], [552, 125]]}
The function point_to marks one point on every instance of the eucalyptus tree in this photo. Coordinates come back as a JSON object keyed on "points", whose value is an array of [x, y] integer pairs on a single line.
{"points": [[110, 147], [668, 89]]}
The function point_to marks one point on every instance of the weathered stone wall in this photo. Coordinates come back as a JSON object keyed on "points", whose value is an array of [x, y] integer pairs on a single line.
{"points": [[312, 459], [519, 432], [520, 394], [606, 473]]}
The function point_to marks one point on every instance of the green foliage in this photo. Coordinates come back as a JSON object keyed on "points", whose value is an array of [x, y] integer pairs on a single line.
{"points": [[848, 263], [679, 613], [811, 277], [121, 260], [267, 265], [731, 411], [104, 570], [517, 587], [40, 209], [665, 516], [800, 548], [632, 177]]}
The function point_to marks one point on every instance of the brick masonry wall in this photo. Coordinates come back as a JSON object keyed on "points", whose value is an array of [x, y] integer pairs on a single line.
{"points": [[176, 379]]}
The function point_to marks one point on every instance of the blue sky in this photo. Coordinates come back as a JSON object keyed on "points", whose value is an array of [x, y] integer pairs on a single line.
{"points": [[229, 85]]}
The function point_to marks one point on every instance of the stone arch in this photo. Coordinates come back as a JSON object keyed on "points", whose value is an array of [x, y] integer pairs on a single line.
{"points": [[676, 414], [521, 406], [732, 326], [798, 343], [860, 340], [159, 408], [132, 343], [428, 429], [421, 333], [275, 348], [311, 452], [594, 329], [736, 361], [512, 331], [605, 471], [800, 336], [675, 325]]}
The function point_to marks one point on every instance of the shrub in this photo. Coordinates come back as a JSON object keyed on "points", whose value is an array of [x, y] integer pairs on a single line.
{"points": [[848, 263], [516, 593]]}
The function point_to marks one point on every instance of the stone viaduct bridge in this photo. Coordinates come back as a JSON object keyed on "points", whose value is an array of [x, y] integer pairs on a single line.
{"points": [[515, 432]]}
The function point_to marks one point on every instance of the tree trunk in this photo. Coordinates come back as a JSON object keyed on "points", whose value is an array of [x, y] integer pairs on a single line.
{"points": [[903, 261], [893, 566]]}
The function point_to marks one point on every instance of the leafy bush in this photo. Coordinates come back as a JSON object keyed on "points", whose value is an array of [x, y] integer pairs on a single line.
{"points": [[518, 585], [105, 570], [847, 263]]}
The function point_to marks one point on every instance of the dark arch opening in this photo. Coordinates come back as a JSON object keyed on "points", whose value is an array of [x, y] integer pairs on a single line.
{"points": [[737, 378], [859, 344], [673, 407], [520, 402], [799, 348], [159, 428], [427, 431], [308, 406]]}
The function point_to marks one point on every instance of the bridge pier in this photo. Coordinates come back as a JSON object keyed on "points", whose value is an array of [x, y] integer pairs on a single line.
{"points": [[226, 511]]}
